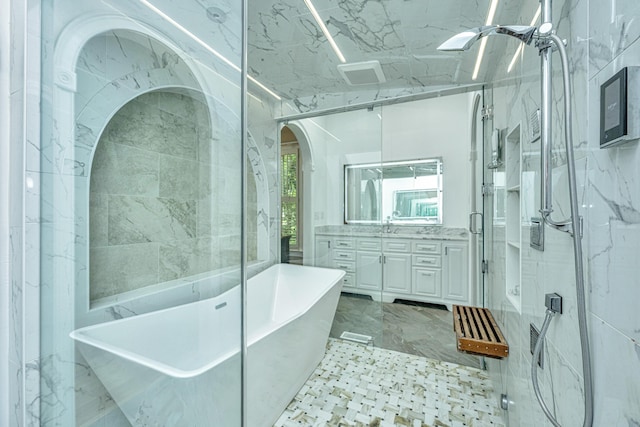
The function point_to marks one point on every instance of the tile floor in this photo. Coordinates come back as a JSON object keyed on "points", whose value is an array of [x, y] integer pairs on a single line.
{"points": [[358, 385], [421, 330]]}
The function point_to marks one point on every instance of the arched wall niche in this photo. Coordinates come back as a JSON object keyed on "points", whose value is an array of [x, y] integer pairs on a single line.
{"points": [[156, 226]]}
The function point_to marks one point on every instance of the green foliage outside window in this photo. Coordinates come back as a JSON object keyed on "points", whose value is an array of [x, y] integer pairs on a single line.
{"points": [[289, 184]]}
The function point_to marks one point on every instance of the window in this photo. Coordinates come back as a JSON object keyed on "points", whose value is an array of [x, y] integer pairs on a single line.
{"points": [[399, 192], [290, 167]]}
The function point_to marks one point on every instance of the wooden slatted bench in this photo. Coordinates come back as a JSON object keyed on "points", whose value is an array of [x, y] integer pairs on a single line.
{"points": [[478, 333]]}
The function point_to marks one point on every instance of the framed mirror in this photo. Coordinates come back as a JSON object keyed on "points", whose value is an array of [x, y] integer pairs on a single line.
{"points": [[408, 192]]}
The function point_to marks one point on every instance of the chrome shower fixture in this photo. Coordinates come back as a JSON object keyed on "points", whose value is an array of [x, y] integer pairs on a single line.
{"points": [[546, 42], [465, 39]]}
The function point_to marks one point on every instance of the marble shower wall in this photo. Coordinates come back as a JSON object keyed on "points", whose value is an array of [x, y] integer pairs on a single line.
{"points": [[602, 37], [614, 224]]}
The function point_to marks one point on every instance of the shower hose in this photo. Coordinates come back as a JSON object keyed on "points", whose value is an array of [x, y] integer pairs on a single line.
{"points": [[579, 269]]}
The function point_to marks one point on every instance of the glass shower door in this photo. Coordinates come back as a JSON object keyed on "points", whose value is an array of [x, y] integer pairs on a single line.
{"points": [[493, 190], [347, 216], [140, 193]]}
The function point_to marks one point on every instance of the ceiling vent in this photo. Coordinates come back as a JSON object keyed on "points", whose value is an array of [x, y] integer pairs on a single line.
{"points": [[362, 73]]}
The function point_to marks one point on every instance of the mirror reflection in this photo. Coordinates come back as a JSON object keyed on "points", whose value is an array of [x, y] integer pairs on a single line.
{"points": [[407, 192]]}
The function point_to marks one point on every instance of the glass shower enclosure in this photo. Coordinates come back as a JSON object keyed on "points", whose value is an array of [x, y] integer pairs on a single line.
{"points": [[345, 197], [143, 239]]}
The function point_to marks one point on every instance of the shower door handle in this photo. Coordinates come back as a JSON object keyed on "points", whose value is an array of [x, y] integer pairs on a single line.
{"points": [[473, 224]]}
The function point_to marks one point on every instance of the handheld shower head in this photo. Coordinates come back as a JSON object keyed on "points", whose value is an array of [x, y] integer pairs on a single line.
{"points": [[465, 39]]}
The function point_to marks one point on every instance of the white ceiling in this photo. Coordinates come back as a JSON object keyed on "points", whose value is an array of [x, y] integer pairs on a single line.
{"points": [[289, 54]]}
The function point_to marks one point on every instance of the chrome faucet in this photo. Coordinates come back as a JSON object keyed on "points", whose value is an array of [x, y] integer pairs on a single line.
{"points": [[388, 230]]}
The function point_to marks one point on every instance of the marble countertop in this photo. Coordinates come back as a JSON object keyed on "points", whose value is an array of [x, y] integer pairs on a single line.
{"points": [[396, 232]]}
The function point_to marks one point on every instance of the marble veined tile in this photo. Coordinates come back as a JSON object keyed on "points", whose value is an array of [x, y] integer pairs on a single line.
{"points": [[143, 125], [187, 257], [410, 328], [122, 169], [98, 219], [356, 385], [613, 27], [150, 219], [121, 268], [179, 178]]}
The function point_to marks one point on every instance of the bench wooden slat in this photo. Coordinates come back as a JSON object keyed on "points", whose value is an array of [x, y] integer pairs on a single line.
{"points": [[477, 332]]}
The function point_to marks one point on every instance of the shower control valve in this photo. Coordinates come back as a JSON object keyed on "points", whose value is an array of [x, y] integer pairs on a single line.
{"points": [[553, 302]]}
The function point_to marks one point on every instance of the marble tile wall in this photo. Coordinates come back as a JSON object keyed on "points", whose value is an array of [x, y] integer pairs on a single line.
{"points": [[602, 37], [13, 290]]}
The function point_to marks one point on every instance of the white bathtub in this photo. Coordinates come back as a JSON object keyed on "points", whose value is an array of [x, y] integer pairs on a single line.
{"points": [[181, 366]]}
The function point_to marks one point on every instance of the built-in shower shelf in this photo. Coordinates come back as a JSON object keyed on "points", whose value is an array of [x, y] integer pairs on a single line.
{"points": [[514, 244], [478, 333]]}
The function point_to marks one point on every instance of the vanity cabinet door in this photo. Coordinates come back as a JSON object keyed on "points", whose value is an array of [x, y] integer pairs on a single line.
{"points": [[323, 256], [369, 270], [397, 273], [455, 272], [427, 282]]}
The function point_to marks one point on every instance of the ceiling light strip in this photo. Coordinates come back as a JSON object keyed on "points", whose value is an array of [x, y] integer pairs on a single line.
{"points": [[476, 69], [483, 43], [205, 45], [325, 30], [263, 87], [521, 47], [492, 12]]}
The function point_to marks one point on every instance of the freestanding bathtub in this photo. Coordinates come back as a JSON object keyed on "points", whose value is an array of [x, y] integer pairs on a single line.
{"points": [[181, 366]]}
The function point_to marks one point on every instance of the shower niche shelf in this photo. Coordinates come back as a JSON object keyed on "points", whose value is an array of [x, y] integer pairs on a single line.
{"points": [[513, 155]]}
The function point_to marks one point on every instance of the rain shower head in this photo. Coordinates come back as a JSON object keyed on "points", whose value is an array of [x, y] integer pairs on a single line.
{"points": [[465, 39]]}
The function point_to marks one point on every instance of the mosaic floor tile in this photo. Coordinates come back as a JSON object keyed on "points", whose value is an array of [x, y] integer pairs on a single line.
{"points": [[358, 385]]}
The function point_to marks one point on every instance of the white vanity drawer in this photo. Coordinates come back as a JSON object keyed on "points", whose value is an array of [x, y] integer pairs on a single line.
{"points": [[427, 247], [339, 255], [348, 266], [373, 245], [349, 279], [427, 261], [396, 246], [340, 243]]}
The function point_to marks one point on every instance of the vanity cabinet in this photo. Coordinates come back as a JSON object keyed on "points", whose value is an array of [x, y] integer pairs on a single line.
{"points": [[396, 265], [455, 272], [426, 269], [323, 256], [369, 265], [434, 271]]}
